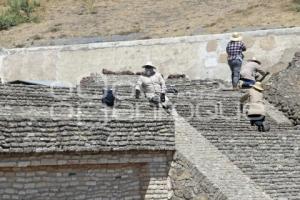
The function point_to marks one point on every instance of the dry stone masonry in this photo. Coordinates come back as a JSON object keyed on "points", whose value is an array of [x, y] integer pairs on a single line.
{"points": [[62, 143], [189, 183], [284, 90], [270, 160]]}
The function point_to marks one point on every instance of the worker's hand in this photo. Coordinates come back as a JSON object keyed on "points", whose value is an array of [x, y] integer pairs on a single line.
{"points": [[162, 97], [137, 94]]}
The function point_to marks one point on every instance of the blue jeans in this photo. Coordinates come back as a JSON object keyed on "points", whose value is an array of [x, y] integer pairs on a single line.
{"points": [[247, 83], [258, 120], [235, 67]]}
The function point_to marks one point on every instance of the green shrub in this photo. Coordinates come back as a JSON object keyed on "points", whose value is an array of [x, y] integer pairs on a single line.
{"points": [[8, 20], [296, 5], [18, 11]]}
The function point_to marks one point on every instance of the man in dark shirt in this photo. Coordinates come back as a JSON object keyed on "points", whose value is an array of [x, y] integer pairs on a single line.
{"points": [[235, 49]]}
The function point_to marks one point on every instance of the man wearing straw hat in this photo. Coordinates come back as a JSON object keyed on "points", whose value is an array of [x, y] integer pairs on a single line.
{"points": [[256, 111], [249, 73], [153, 85], [235, 49]]}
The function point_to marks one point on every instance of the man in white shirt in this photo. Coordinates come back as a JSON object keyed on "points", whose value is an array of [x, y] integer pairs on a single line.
{"points": [[153, 85]]}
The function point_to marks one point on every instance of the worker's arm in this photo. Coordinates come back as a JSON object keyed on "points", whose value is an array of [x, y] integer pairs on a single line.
{"points": [[163, 88], [260, 70], [162, 84], [138, 87], [244, 98], [243, 47]]}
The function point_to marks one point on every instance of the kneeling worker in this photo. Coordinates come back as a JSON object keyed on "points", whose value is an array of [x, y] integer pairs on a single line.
{"points": [[153, 85], [249, 72], [256, 111]]}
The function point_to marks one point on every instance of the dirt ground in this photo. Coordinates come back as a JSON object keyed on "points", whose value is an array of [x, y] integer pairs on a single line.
{"points": [[148, 19]]}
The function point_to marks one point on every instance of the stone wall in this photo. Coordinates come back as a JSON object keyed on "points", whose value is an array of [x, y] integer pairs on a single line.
{"points": [[197, 56], [122, 175], [188, 183], [284, 90]]}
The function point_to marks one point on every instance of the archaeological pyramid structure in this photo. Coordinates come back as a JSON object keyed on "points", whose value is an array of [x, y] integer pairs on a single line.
{"points": [[62, 143]]}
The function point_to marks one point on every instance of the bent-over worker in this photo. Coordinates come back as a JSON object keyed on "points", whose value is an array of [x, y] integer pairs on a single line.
{"points": [[256, 111], [250, 71]]}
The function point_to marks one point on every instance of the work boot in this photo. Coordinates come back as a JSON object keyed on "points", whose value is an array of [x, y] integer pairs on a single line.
{"points": [[259, 128], [236, 88], [266, 126]]}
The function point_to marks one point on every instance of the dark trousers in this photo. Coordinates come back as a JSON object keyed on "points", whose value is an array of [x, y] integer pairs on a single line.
{"points": [[257, 120], [235, 67], [247, 83]]}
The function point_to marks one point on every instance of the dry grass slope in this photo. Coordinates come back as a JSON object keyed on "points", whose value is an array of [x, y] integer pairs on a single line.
{"points": [[149, 18]]}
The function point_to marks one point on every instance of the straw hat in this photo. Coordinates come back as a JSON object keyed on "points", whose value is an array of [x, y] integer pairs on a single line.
{"points": [[254, 60], [258, 86], [148, 65], [236, 37]]}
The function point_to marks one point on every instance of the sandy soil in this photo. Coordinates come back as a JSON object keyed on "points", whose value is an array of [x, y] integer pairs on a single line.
{"points": [[149, 18]]}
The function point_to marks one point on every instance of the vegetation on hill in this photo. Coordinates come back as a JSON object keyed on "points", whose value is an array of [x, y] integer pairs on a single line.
{"points": [[296, 5], [17, 12]]}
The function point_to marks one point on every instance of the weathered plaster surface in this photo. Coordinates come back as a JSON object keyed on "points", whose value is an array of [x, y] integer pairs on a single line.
{"points": [[199, 57]]}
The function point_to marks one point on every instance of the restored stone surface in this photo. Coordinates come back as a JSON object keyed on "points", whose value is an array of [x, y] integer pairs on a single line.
{"points": [[223, 58], [212, 45], [268, 43], [205, 105], [196, 56], [215, 165], [219, 154], [188, 183], [41, 119], [85, 176], [249, 41], [63, 143], [269, 159]]}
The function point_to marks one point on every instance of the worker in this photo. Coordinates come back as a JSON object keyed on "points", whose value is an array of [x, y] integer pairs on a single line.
{"points": [[153, 85], [249, 72], [235, 49], [256, 111]]}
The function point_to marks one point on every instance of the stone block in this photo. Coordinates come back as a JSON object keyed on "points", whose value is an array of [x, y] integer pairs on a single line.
{"points": [[268, 43], [223, 58], [212, 46]]}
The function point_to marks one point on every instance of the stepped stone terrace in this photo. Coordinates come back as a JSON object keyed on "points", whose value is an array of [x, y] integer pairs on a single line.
{"points": [[62, 143]]}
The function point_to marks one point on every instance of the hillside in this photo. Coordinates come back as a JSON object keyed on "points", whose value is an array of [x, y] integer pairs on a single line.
{"points": [[147, 19], [284, 91]]}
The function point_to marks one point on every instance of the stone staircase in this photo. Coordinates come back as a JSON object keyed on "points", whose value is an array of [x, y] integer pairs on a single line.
{"points": [[217, 138], [266, 165], [214, 164], [211, 133], [270, 159], [218, 111]]}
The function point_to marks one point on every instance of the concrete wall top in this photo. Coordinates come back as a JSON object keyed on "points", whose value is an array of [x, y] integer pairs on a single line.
{"points": [[199, 57], [161, 41]]}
